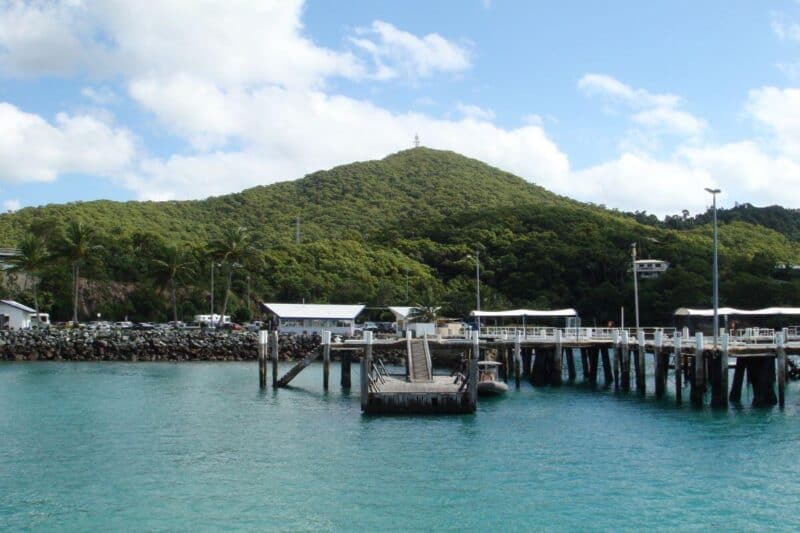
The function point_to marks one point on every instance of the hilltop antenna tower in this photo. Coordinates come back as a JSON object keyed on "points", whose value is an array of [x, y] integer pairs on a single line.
{"points": [[416, 140]]}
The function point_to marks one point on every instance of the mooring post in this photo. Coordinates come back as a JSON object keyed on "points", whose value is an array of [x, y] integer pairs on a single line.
{"points": [[366, 366], [326, 358], [263, 339], [780, 340], [676, 347], [555, 378], [626, 362], [517, 359], [276, 350], [641, 384], [698, 380]]}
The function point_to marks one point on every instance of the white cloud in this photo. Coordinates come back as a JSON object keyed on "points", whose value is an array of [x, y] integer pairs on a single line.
{"points": [[9, 206], [273, 126], [475, 112], [779, 111], [103, 95], [670, 120], [606, 85], [397, 52], [784, 28], [31, 149]]}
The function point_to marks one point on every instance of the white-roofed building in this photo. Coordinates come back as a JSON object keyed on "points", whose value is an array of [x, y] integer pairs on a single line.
{"points": [[14, 315], [315, 318]]}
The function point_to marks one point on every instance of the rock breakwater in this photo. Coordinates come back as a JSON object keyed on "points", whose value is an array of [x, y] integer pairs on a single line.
{"points": [[130, 345]]}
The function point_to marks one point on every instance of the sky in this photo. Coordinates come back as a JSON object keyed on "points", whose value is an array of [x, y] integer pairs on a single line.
{"points": [[628, 104]]}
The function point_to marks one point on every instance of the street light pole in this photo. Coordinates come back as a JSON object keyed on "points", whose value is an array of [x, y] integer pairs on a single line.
{"points": [[211, 317], [714, 193], [478, 279], [635, 285]]}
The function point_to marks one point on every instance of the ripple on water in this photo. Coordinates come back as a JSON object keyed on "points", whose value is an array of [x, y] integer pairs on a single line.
{"points": [[198, 446]]}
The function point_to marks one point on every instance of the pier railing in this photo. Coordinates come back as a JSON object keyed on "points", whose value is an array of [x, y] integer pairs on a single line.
{"points": [[541, 333]]}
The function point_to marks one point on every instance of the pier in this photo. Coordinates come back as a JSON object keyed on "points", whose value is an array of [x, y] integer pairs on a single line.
{"points": [[551, 356]]}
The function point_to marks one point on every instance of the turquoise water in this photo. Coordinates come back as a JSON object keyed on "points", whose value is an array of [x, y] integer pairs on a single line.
{"points": [[150, 446]]}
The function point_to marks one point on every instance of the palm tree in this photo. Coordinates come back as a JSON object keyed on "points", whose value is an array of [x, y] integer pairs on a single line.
{"points": [[174, 264], [425, 310], [32, 257], [77, 246], [234, 249]]}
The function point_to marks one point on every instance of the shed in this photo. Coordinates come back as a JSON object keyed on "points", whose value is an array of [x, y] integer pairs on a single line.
{"points": [[314, 318], [14, 315]]}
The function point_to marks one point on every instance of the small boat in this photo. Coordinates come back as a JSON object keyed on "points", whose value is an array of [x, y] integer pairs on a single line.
{"points": [[488, 382]]}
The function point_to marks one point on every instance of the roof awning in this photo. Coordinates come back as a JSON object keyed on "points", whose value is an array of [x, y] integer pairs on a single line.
{"points": [[321, 311], [526, 313], [723, 311]]}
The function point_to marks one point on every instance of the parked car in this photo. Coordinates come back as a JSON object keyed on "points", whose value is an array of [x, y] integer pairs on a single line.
{"points": [[125, 324]]}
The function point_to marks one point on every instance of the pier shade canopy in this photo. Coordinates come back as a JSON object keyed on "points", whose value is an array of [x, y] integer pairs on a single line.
{"points": [[727, 311], [315, 318], [526, 313]]}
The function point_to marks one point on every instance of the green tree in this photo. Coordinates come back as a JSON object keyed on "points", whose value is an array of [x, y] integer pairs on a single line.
{"points": [[77, 246], [234, 249], [32, 257], [173, 265]]}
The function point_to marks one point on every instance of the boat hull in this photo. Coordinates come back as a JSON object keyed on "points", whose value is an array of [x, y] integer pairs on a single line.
{"points": [[491, 388]]}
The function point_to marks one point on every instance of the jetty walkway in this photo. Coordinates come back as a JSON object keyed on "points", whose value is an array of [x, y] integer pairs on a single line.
{"points": [[550, 356]]}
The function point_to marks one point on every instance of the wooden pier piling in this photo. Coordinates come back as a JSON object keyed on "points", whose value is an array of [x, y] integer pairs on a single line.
{"points": [[571, 371], [263, 340], [558, 354], [608, 371], [625, 361], [346, 380], [660, 364], [585, 368], [617, 362], [735, 395], [678, 368], [326, 359], [781, 362], [276, 351], [517, 359], [366, 368], [698, 383], [641, 384], [719, 375]]}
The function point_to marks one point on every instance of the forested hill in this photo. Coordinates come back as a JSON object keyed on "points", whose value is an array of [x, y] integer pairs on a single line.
{"points": [[403, 230], [357, 201]]}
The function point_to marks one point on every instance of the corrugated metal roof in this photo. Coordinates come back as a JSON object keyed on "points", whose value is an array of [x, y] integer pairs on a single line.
{"points": [[526, 312], [18, 305], [722, 311], [324, 311]]}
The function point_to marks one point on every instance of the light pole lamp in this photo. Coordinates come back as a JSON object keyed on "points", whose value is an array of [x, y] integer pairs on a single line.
{"points": [[635, 285], [477, 259], [714, 193]]}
